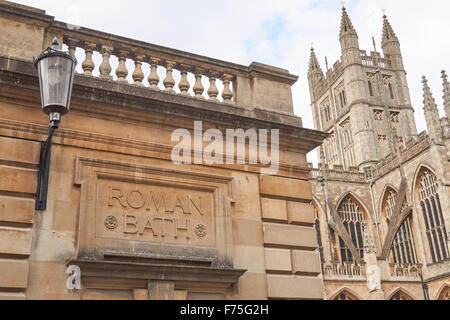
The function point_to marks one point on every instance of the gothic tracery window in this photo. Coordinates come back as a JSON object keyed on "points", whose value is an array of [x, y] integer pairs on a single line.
{"points": [[347, 143], [353, 219], [340, 96], [403, 248], [370, 88], [435, 230], [391, 91], [331, 149], [318, 232]]}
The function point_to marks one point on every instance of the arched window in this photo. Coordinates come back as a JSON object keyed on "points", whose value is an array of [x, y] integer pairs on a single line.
{"points": [[445, 293], [430, 203], [401, 295], [353, 219], [391, 91], [370, 88], [345, 295], [403, 248], [318, 232]]}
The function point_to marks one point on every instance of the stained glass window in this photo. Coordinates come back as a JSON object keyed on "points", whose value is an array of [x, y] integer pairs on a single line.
{"points": [[436, 233]]}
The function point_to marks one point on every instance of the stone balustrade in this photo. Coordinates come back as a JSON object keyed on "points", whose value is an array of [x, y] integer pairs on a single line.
{"points": [[405, 271], [370, 60], [140, 64], [354, 176], [415, 149], [141, 57], [411, 151], [344, 271]]}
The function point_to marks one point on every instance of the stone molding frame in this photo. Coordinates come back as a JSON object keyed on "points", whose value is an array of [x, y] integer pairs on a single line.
{"points": [[87, 174]]}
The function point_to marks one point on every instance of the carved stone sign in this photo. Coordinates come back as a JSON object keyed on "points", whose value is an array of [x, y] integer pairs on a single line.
{"points": [[143, 211], [154, 213]]}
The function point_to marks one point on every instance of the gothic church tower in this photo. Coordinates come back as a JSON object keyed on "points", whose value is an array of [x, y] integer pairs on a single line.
{"points": [[363, 101]]}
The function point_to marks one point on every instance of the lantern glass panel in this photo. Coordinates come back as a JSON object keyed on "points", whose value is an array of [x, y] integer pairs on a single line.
{"points": [[56, 77]]}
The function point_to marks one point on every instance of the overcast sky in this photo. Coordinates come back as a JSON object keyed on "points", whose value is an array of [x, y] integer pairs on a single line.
{"points": [[278, 33]]}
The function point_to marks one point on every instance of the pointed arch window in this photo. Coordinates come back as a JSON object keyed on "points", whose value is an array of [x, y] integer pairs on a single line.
{"points": [[445, 293], [391, 91], [345, 295], [403, 248], [318, 231], [370, 88], [400, 295], [353, 219], [430, 204]]}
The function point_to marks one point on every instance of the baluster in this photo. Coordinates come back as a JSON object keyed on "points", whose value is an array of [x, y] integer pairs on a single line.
{"points": [[213, 92], [153, 78], [227, 94], [122, 71], [184, 84], [198, 87], [138, 75], [105, 67], [88, 64], [72, 44], [169, 81]]}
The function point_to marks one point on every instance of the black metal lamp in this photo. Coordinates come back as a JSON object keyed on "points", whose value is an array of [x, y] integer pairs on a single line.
{"points": [[56, 70]]}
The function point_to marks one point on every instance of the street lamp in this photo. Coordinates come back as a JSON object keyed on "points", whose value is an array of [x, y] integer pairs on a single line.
{"points": [[56, 70]]}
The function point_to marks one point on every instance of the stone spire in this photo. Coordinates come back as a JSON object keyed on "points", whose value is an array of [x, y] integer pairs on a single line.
{"points": [[446, 94], [431, 112], [388, 32], [428, 102], [314, 66], [315, 75], [346, 24]]}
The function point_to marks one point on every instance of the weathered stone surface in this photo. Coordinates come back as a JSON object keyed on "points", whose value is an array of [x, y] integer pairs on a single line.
{"points": [[180, 295], [15, 241], [12, 296], [16, 210], [28, 44], [140, 294], [293, 287], [278, 260], [97, 294], [274, 209], [289, 236], [20, 151], [18, 180], [306, 262], [13, 274], [247, 233], [299, 212], [252, 286], [250, 258], [285, 187]]}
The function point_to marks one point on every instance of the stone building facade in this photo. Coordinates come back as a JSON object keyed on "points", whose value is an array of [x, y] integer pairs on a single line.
{"points": [[137, 225], [381, 192]]}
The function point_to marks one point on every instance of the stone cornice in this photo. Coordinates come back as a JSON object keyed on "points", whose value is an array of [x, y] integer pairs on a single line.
{"points": [[11, 8], [145, 271]]}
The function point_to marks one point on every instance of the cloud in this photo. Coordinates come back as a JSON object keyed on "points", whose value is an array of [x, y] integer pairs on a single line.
{"points": [[276, 32]]}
